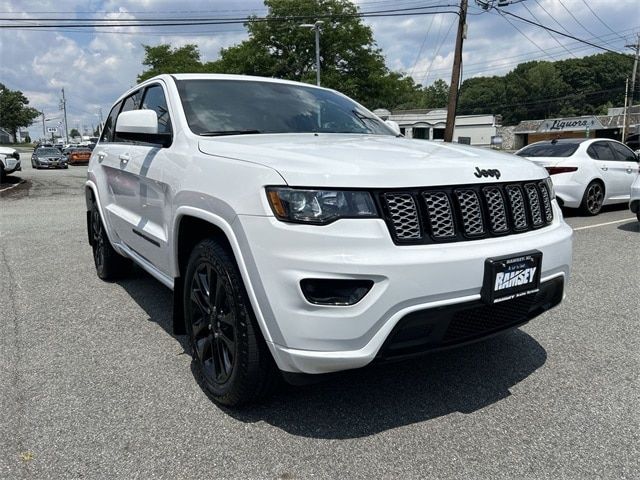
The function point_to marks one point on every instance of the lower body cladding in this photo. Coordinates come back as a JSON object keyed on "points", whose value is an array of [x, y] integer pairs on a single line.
{"points": [[406, 299]]}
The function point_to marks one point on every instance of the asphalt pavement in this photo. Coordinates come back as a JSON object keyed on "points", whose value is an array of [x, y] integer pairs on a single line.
{"points": [[94, 385]]}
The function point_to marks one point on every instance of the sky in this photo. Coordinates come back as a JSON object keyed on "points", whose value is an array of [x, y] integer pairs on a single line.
{"points": [[95, 66]]}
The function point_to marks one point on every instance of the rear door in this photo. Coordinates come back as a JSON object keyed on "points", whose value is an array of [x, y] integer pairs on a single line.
{"points": [[626, 168], [605, 160]]}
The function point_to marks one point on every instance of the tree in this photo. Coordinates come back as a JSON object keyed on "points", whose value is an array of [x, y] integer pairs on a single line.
{"points": [[164, 59], [541, 89], [14, 110], [74, 133], [351, 62]]}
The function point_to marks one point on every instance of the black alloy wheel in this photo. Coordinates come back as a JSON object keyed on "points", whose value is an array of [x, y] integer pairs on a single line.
{"points": [[593, 198], [231, 360], [213, 323], [110, 265]]}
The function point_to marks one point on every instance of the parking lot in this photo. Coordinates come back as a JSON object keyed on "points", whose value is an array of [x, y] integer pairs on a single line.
{"points": [[95, 385]]}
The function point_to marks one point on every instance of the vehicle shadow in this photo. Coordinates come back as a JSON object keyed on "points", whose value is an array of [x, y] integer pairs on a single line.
{"points": [[10, 179], [632, 226], [574, 212], [154, 299], [380, 397]]}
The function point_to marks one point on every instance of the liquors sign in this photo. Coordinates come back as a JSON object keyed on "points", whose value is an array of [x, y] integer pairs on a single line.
{"points": [[570, 124]]}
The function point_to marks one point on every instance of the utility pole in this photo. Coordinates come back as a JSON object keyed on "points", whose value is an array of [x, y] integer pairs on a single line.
{"points": [[627, 116], [316, 26], [455, 74], [44, 134], [624, 110], [64, 107], [99, 126]]}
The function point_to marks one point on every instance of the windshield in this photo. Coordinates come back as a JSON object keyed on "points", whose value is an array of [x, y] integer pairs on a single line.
{"points": [[549, 150], [48, 151], [235, 107]]}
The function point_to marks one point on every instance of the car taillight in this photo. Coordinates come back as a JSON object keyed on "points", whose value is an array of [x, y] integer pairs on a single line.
{"points": [[556, 170]]}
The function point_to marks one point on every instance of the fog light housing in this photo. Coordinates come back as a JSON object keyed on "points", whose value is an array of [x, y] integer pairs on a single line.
{"points": [[336, 292]]}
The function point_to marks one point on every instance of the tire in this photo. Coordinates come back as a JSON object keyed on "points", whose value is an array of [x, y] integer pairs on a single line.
{"points": [[638, 215], [2, 174], [592, 199], [230, 358], [110, 265]]}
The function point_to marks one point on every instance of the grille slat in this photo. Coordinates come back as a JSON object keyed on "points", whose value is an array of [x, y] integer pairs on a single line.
{"points": [[497, 211], [450, 214], [440, 214], [534, 203], [516, 201], [471, 212], [546, 202], [404, 215]]}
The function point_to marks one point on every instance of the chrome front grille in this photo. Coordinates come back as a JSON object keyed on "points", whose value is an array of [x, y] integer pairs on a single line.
{"points": [[449, 214]]}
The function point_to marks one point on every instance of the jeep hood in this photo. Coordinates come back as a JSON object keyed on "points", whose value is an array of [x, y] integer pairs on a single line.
{"points": [[373, 161]]}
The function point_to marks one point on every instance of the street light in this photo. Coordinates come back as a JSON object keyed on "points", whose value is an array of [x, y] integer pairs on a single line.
{"points": [[316, 26]]}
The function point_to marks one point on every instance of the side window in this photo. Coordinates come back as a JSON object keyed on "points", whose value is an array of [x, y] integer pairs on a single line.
{"points": [[132, 102], [155, 100], [623, 153], [600, 151], [110, 124]]}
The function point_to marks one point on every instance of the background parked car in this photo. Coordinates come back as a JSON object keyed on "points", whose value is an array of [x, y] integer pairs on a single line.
{"points": [[48, 157], [586, 173], [78, 155], [9, 161]]}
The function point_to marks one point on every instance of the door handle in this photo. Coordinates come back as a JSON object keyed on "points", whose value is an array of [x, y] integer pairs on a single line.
{"points": [[629, 170], [125, 157], [101, 156], [604, 168]]}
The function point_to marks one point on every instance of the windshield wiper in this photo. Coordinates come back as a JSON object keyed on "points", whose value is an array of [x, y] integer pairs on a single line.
{"points": [[220, 133]]}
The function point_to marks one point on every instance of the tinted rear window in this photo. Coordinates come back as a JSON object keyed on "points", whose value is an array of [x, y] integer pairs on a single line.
{"points": [[549, 150]]}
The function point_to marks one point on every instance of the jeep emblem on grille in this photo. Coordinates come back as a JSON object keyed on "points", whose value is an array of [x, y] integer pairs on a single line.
{"points": [[494, 172]]}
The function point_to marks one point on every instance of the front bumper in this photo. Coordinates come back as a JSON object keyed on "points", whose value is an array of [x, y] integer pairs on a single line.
{"points": [[12, 166], [308, 338], [41, 164]]}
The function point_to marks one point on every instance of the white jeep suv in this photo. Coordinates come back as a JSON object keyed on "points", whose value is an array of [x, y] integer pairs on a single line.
{"points": [[301, 234]]}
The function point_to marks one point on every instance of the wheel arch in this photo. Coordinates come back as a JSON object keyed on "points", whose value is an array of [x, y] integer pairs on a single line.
{"points": [[190, 226]]}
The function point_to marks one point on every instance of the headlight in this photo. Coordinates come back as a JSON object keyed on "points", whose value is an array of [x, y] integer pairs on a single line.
{"points": [[319, 206], [549, 184]]}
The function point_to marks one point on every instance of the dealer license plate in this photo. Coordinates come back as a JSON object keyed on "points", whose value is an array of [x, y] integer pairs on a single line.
{"points": [[511, 276]]}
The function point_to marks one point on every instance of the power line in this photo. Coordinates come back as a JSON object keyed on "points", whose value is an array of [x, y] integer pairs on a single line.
{"points": [[600, 19], [577, 21], [437, 50], [600, 47], [176, 21], [527, 37], [548, 32], [424, 40]]}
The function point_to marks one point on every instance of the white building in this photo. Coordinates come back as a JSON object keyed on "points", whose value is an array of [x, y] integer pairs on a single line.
{"points": [[429, 125]]}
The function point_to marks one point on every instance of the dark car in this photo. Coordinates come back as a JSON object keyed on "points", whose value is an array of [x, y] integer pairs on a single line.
{"points": [[633, 141], [48, 157]]}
